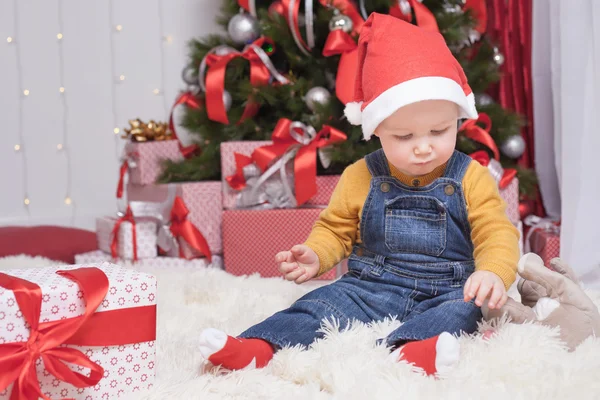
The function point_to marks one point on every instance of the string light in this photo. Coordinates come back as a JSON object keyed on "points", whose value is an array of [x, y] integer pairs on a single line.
{"points": [[163, 61], [63, 145], [113, 70], [168, 38], [19, 130]]}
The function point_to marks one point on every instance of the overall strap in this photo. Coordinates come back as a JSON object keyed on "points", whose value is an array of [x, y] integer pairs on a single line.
{"points": [[377, 163], [457, 166]]}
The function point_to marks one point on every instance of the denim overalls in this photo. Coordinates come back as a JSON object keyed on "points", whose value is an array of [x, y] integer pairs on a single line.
{"points": [[415, 257]]}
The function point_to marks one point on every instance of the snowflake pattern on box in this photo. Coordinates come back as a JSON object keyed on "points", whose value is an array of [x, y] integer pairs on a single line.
{"points": [[148, 159], [127, 368], [325, 184], [145, 238]]}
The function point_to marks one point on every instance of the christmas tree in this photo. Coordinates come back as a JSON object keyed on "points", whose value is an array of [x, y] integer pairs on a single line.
{"points": [[291, 59]]}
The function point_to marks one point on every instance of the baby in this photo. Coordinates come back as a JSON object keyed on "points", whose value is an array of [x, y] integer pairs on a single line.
{"points": [[423, 225]]}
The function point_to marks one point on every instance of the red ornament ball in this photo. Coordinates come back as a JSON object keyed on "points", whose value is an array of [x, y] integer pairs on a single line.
{"points": [[277, 7], [526, 208]]}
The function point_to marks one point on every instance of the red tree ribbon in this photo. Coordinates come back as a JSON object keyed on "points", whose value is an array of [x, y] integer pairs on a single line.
{"points": [[479, 11], [215, 81], [305, 163], [245, 4], [481, 135], [339, 42], [182, 227], [190, 101], [18, 360], [425, 18], [128, 217], [296, 26], [483, 158]]}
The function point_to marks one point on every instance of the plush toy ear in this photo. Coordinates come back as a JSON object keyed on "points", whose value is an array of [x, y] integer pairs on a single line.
{"points": [[517, 312]]}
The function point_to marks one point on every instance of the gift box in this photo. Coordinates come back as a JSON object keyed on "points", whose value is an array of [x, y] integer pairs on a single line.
{"points": [[112, 341], [325, 184], [203, 200], [510, 194], [545, 242], [145, 237], [145, 159], [252, 238], [98, 256]]}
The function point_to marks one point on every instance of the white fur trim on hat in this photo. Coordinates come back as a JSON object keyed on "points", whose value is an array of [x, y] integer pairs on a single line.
{"points": [[412, 91], [353, 112]]}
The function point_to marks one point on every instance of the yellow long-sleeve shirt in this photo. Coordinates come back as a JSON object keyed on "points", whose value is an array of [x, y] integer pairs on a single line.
{"points": [[495, 239]]}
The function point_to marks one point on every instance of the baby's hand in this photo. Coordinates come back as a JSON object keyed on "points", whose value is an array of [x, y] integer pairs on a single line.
{"points": [[484, 284], [300, 264]]}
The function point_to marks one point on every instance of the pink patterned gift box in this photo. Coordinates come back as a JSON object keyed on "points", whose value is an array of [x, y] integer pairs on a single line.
{"points": [[252, 238], [145, 232], [127, 368], [510, 194], [148, 158], [546, 244], [325, 184], [202, 199], [98, 256]]}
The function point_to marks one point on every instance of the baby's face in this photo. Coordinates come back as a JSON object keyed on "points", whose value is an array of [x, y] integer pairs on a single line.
{"points": [[419, 137]]}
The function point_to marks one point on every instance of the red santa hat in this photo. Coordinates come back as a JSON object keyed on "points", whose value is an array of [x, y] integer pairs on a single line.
{"points": [[400, 64]]}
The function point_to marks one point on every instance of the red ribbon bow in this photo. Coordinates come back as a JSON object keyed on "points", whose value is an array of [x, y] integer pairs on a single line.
{"points": [[481, 135], [182, 227], [483, 158], [128, 217], [479, 11], [340, 42], [425, 18], [305, 162], [215, 81], [18, 360], [190, 101]]}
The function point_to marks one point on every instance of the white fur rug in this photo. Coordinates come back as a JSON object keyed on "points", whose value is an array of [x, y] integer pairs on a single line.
{"points": [[520, 362]]}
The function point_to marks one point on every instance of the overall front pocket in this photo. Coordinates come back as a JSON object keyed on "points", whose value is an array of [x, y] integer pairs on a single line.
{"points": [[415, 224]]}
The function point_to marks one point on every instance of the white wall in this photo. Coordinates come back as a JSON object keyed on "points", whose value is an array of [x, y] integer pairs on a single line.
{"points": [[87, 62]]}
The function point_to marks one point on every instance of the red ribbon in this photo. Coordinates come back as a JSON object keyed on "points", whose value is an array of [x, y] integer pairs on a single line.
{"points": [[18, 360], [190, 101], [128, 217], [481, 135], [483, 158], [245, 4], [238, 181], [122, 172], [479, 11], [305, 163], [425, 18], [215, 81], [340, 42], [182, 227]]}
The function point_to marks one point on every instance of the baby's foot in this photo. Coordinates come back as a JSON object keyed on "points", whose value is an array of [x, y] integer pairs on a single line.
{"points": [[233, 353], [437, 354]]}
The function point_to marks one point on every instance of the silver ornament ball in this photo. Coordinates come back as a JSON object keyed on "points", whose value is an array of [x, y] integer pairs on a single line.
{"points": [[513, 147], [223, 50], [498, 57], [189, 75], [452, 8], [317, 95], [243, 28], [340, 21], [483, 99], [195, 89], [227, 100]]}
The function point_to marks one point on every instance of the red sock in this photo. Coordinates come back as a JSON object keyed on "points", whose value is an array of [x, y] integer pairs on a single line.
{"points": [[234, 353], [433, 355]]}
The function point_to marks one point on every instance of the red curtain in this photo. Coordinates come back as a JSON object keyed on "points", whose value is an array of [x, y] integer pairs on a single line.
{"points": [[509, 25]]}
